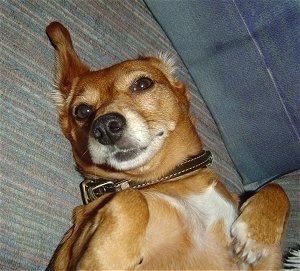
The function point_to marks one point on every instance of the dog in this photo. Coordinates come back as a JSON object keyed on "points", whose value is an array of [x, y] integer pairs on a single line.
{"points": [[157, 204]]}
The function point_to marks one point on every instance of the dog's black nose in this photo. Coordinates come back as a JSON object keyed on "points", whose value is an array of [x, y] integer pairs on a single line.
{"points": [[109, 128]]}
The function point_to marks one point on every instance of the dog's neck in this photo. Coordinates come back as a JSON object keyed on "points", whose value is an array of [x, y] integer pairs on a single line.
{"points": [[92, 189], [175, 150]]}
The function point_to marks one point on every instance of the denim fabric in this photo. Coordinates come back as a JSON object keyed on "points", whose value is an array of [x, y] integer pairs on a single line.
{"points": [[244, 57]]}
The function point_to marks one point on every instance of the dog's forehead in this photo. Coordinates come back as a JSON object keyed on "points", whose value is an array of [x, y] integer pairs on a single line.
{"points": [[101, 84], [123, 74], [149, 65]]}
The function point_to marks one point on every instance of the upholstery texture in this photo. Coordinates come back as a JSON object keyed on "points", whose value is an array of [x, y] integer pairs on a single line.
{"points": [[39, 185], [244, 57]]}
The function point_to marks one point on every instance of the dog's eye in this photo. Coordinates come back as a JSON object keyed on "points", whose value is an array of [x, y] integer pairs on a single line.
{"points": [[142, 84], [83, 111]]}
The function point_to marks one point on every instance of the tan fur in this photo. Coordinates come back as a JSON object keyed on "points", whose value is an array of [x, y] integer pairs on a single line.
{"points": [[184, 224]]}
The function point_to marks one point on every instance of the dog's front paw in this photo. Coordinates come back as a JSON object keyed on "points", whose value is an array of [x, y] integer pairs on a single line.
{"points": [[257, 232], [246, 248]]}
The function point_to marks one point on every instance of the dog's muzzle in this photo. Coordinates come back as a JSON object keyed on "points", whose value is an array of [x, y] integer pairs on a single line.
{"points": [[109, 128]]}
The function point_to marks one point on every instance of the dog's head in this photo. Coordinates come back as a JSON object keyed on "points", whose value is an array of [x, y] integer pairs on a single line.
{"points": [[129, 117]]}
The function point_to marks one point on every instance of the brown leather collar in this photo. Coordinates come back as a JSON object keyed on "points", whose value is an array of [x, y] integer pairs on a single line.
{"points": [[92, 189]]}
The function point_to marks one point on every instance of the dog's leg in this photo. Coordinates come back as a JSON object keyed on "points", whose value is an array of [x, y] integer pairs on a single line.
{"points": [[106, 236], [258, 230]]}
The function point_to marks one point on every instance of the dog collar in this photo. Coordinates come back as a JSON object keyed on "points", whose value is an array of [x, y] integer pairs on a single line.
{"points": [[92, 189]]}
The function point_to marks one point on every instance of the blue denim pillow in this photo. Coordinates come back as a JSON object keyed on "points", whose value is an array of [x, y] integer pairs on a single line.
{"points": [[244, 57]]}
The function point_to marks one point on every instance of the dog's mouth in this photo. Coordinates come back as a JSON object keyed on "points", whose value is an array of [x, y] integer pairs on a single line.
{"points": [[126, 158], [127, 154]]}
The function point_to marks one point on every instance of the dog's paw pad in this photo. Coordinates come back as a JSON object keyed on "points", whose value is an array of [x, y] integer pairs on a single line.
{"points": [[246, 249]]}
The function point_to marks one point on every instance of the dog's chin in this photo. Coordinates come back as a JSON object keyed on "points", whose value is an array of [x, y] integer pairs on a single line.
{"points": [[125, 159], [130, 159]]}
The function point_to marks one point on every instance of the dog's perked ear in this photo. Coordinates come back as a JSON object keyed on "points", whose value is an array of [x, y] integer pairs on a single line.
{"points": [[69, 65]]}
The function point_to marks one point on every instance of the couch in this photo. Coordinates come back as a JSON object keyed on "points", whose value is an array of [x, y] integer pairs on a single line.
{"points": [[239, 59]]}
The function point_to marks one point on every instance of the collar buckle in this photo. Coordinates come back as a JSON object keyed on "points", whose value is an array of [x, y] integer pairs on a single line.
{"points": [[93, 189]]}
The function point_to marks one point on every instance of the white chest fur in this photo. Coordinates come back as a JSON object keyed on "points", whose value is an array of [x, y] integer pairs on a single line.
{"points": [[210, 207], [189, 231], [197, 213], [207, 209]]}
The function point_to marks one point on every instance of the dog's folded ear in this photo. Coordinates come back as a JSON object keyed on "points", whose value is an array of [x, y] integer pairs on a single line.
{"points": [[69, 65]]}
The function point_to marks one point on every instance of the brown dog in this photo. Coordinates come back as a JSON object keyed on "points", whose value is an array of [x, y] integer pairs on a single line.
{"points": [[129, 126]]}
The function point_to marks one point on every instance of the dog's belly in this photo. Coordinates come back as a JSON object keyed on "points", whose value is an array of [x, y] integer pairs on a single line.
{"points": [[188, 232]]}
